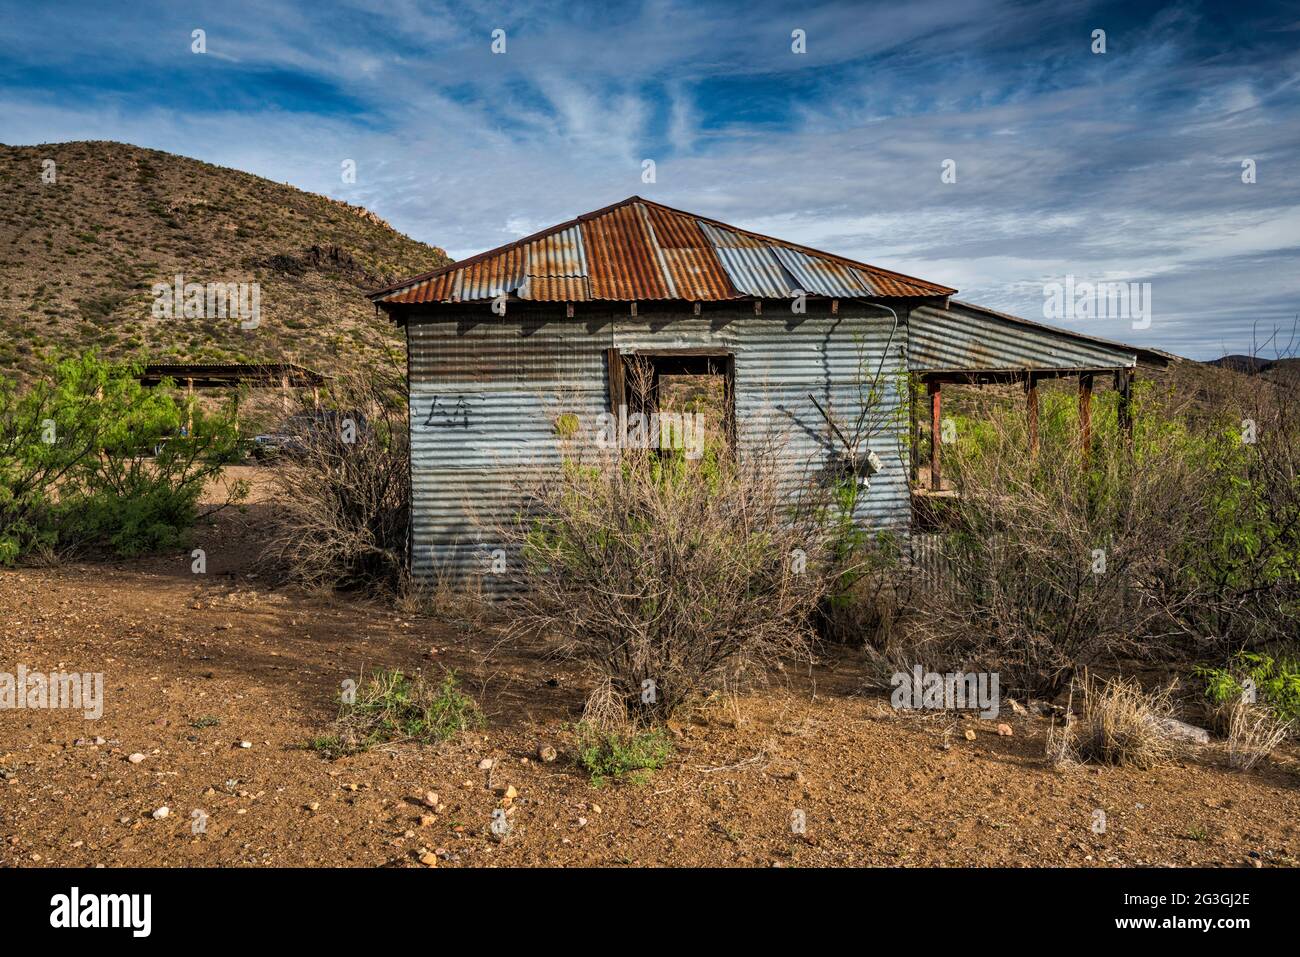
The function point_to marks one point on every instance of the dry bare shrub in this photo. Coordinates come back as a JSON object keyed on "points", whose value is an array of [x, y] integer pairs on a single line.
{"points": [[873, 597], [460, 600], [668, 577], [1254, 730], [872, 604], [343, 486], [1120, 724]]}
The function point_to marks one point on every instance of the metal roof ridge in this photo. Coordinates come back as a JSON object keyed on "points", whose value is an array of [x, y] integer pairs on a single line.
{"points": [[632, 201]]}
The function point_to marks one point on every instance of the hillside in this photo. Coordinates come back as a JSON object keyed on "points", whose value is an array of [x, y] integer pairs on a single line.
{"points": [[79, 258]]}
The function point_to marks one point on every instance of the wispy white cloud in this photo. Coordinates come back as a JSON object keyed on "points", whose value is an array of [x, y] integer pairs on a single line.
{"points": [[1123, 166]]}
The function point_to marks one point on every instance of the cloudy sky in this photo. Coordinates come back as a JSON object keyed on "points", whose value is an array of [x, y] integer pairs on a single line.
{"points": [[1121, 166]]}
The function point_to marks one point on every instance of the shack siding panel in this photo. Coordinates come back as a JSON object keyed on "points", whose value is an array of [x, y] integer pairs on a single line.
{"points": [[485, 397], [961, 337]]}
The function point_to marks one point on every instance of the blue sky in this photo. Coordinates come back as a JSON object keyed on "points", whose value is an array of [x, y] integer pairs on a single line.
{"points": [[1123, 166]]}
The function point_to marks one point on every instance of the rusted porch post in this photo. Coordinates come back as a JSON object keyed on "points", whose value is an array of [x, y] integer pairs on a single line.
{"points": [[1031, 412], [936, 402], [1085, 414]]}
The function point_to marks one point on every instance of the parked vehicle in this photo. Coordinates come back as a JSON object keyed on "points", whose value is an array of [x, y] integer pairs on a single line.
{"points": [[299, 432]]}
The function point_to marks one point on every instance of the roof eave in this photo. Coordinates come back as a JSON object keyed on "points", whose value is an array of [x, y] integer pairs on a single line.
{"points": [[1152, 356]]}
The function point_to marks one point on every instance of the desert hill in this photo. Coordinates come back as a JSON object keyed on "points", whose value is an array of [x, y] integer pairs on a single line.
{"points": [[80, 256]]}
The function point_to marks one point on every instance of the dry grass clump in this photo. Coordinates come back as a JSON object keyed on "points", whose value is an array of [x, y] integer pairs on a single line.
{"points": [[605, 709], [1254, 730], [1120, 724], [462, 602]]}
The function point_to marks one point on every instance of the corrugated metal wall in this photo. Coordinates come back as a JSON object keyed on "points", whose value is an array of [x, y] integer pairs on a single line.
{"points": [[486, 394], [961, 336]]}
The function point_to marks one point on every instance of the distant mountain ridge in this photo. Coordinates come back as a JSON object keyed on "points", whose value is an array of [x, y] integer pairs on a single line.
{"points": [[88, 228], [1255, 365]]}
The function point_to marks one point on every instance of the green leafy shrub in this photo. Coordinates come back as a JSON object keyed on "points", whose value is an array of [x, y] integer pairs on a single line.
{"points": [[1276, 681], [391, 707], [614, 754], [91, 458]]}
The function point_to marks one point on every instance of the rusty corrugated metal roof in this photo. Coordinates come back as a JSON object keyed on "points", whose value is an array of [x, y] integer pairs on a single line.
{"points": [[689, 257], [962, 336], [622, 258], [638, 250], [751, 265], [556, 289], [823, 277], [557, 254], [556, 268]]}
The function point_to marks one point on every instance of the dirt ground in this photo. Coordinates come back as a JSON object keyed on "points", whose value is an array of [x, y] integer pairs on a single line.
{"points": [[197, 665]]}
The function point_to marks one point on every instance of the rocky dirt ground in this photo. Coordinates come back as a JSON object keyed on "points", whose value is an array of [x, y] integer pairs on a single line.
{"points": [[197, 666]]}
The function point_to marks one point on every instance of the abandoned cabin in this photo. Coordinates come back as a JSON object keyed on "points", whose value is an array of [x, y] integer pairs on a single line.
{"points": [[500, 346]]}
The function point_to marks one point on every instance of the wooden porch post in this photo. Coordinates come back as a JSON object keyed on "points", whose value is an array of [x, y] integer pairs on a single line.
{"points": [[914, 432], [284, 394], [1085, 414], [936, 401], [189, 407], [617, 380], [1031, 412], [1124, 386]]}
